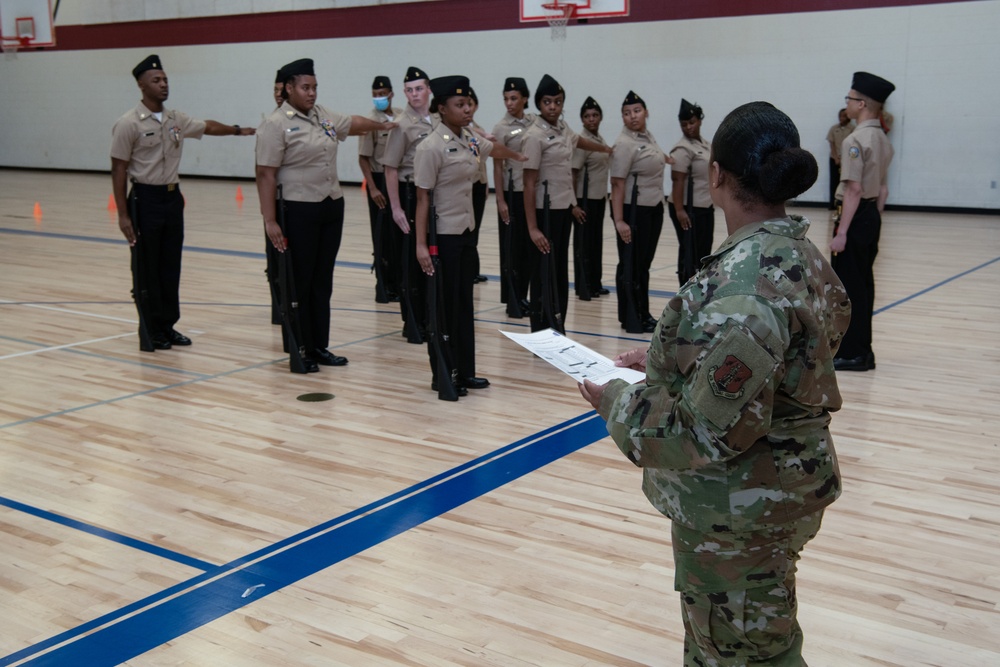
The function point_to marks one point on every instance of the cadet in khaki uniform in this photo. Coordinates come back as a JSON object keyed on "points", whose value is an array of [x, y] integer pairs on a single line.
{"points": [[549, 146], [864, 164], [510, 132], [590, 169], [835, 138], [448, 163], [637, 158], [146, 145], [371, 148], [731, 426], [297, 148], [480, 189], [690, 154], [415, 124]]}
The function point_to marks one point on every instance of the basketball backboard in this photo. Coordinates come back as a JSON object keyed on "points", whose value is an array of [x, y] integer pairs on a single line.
{"points": [[26, 24], [535, 10]]}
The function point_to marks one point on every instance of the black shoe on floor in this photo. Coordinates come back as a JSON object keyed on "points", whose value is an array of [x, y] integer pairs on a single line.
{"points": [[473, 383], [161, 342], [327, 358], [177, 338], [459, 390], [602, 291], [310, 365], [861, 363]]}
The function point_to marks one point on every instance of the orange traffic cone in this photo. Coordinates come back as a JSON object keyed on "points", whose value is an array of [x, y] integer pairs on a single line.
{"points": [[239, 193], [112, 206], [37, 213]]}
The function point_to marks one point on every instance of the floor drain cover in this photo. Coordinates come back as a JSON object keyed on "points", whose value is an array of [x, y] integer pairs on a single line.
{"points": [[315, 398]]}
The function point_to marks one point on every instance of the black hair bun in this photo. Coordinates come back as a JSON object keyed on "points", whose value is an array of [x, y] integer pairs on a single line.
{"points": [[785, 174]]}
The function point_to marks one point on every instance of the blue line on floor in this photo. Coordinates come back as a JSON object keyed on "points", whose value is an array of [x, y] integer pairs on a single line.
{"points": [[108, 535], [160, 618]]}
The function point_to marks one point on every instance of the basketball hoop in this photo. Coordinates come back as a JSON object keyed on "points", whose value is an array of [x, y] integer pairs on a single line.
{"points": [[559, 15]]}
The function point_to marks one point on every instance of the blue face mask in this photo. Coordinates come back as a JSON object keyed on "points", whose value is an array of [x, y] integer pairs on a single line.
{"points": [[381, 103]]}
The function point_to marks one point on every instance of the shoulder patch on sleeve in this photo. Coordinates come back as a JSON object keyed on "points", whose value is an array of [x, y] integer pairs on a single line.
{"points": [[854, 152], [731, 375]]}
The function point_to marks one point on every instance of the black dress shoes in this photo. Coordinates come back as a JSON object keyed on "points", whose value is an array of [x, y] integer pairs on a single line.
{"points": [[160, 342], [177, 338], [327, 358], [601, 291], [310, 365], [480, 279], [473, 383], [649, 324], [865, 362], [459, 389]]}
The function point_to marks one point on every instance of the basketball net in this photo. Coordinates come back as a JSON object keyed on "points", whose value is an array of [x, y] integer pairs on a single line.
{"points": [[559, 15]]}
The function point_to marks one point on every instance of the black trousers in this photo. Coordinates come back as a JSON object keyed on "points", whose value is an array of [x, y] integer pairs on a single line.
{"points": [[697, 240], [390, 242], [588, 244], [854, 267], [456, 318], [271, 271], [413, 286], [521, 259], [834, 183], [648, 226], [560, 224], [479, 193], [314, 230], [161, 239]]}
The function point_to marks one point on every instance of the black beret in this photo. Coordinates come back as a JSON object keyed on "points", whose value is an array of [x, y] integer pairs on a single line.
{"points": [[445, 87], [302, 67], [151, 62], [632, 98], [590, 103], [414, 74], [518, 84], [873, 86], [279, 77], [547, 86], [472, 94], [381, 81], [689, 111]]}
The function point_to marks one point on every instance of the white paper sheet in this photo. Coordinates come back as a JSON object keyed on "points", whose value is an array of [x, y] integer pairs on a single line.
{"points": [[575, 360]]}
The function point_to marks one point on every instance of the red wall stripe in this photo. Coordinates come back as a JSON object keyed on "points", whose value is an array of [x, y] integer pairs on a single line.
{"points": [[410, 18]]}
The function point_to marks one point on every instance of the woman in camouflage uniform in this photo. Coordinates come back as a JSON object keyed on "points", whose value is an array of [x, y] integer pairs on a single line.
{"points": [[731, 426]]}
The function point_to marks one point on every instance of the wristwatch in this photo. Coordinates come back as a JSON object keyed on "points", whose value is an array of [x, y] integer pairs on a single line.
{"points": [[237, 132]]}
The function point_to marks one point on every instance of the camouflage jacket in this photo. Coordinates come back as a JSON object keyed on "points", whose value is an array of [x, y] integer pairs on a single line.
{"points": [[731, 425]]}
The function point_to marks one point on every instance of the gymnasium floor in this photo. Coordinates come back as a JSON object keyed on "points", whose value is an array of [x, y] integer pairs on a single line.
{"points": [[184, 508]]}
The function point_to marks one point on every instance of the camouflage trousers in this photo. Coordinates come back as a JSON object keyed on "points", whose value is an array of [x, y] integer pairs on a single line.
{"points": [[738, 594]]}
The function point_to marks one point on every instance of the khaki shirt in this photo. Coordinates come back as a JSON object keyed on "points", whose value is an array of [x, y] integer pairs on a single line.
{"points": [[550, 152], [153, 148], [483, 177], [595, 165], [835, 137], [449, 165], [693, 153], [403, 140], [865, 158], [372, 144], [638, 153], [510, 132], [731, 426], [304, 149]]}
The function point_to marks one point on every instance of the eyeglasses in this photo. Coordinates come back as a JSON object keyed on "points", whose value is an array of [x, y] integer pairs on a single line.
{"points": [[856, 99]]}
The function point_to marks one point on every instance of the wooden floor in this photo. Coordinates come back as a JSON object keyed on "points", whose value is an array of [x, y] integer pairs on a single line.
{"points": [[184, 508]]}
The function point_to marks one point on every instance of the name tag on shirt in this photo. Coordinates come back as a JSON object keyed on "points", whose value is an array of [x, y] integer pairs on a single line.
{"points": [[292, 129], [450, 150], [517, 131], [149, 134], [421, 136]]}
